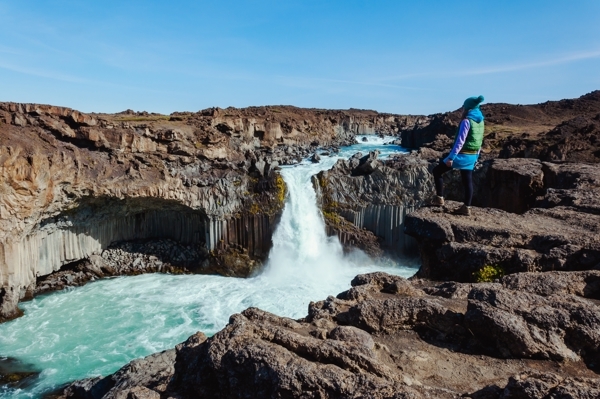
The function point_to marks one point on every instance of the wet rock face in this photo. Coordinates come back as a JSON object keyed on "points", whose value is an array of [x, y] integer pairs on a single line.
{"points": [[133, 258], [374, 195], [142, 378], [387, 338]]}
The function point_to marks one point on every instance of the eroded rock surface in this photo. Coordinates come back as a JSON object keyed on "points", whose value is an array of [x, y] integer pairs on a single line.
{"points": [[142, 378], [368, 193], [387, 337], [72, 184], [454, 247]]}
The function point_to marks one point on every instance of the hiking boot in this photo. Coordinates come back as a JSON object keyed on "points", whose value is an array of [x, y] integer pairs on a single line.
{"points": [[464, 210], [437, 201]]}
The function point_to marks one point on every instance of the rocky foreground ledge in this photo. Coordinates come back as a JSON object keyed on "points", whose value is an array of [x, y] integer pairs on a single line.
{"points": [[559, 228], [529, 335]]}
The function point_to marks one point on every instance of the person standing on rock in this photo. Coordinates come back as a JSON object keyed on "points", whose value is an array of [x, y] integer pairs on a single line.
{"points": [[464, 153]]}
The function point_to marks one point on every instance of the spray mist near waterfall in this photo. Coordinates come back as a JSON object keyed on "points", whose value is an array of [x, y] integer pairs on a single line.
{"points": [[301, 248]]}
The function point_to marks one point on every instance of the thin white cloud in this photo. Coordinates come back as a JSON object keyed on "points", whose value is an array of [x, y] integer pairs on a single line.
{"points": [[565, 59], [518, 66], [74, 79], [44, 74], [11, 50]]}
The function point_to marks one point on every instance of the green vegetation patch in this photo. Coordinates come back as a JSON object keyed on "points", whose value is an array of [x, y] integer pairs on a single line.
{"points": [[332, 217], [488, 273]]}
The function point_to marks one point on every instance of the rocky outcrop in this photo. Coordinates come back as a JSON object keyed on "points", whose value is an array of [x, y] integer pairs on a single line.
{"points": [[144, 378], [377, 195], [575, 140], [455, 248], [437, 132], [512, 185], [387, 337], [572, 185], [559, 231], [361, 191], [374, 195]]}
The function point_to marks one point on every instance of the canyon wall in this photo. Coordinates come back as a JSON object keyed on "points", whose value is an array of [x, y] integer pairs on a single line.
{"points": [[72, 184]]}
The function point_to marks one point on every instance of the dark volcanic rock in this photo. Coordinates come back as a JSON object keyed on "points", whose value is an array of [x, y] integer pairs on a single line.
{"points": [[374, 195], [439, 126], [547, 385], [585, 284], [512, 185], [522, 325], [573, 185], [367, 164], [142, 378], [454, 247], [558, 231], [370, 342], [576, 140]]}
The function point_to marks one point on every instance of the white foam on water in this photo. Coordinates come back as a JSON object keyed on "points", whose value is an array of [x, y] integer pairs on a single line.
{"points": [[96, 329], [375, 139]]}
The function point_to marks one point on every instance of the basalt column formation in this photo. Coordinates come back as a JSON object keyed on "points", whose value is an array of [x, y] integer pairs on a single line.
{"points": [[73, 184]]}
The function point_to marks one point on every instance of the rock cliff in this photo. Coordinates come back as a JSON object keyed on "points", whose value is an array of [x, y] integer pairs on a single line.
{"points": [[515, 314], [554, 167], [73, 184], [374, 195]]}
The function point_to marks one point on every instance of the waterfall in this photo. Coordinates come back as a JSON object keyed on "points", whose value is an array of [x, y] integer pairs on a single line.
{"points": [[300, 244]]}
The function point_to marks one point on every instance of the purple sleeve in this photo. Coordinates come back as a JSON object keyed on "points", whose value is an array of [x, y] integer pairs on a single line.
{"points": [[461, 137]]}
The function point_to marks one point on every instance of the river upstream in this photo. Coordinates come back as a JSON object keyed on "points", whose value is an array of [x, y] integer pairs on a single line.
{"points": [[96, 329]]}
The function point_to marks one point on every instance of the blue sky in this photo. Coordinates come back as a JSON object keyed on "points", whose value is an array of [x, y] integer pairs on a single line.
{"points": [[391, 56]]}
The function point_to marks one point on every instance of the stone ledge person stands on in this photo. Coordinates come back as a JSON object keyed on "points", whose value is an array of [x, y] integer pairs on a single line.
{"points": [[464, 153]]}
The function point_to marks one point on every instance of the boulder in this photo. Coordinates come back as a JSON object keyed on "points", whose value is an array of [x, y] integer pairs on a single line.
{"points": [[523, 325], [144, 378]]}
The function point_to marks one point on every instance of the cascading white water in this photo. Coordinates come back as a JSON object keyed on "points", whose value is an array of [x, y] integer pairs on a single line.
{"points": [[300, 235], [96, 329]]}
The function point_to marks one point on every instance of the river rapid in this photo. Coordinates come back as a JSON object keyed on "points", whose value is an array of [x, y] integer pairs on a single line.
{"points": [[96, 329]]}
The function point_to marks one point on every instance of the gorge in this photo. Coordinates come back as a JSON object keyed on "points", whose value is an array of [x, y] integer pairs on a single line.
{"points": [[210, 184]]}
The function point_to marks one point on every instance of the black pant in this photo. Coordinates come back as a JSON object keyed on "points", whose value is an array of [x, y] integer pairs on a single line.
{"points": [[467, 180]]}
